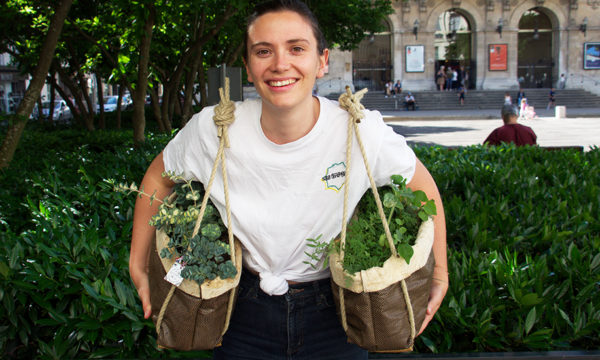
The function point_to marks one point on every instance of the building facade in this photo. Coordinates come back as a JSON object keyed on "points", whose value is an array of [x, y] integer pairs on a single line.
{"points": [[492, 44]]}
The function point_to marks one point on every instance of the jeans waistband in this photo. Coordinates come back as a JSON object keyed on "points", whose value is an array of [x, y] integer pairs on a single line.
{"points": [[313, 287]]}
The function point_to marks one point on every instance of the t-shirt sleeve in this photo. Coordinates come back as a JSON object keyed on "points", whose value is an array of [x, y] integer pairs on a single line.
{"points": [[394, 156], [188, 154]]}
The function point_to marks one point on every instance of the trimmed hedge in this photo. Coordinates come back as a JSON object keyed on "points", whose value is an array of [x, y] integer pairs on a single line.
{"points": [[523, 237]]}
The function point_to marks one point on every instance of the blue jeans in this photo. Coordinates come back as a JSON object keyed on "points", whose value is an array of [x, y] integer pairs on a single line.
{"points": [[302, 324]]}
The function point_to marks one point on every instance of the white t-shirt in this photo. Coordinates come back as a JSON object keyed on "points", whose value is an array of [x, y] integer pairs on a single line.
{"points": [[282, 195]]}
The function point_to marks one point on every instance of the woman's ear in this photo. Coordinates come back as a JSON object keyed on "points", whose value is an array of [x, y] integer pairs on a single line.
{"points": [[323, 64], [247, 70]]}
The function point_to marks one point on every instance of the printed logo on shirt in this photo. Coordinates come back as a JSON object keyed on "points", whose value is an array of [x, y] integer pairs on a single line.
{"points": [[335, 176]]}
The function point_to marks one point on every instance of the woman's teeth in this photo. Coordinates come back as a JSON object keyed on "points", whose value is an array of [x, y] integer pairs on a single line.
{"points": [[282, 83]]}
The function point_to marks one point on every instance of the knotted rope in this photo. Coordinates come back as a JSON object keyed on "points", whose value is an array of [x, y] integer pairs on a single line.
{"points": [[223, 117], [351, 103]]}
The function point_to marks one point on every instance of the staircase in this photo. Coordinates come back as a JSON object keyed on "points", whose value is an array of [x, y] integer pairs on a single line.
{"points": [[478, 99]]}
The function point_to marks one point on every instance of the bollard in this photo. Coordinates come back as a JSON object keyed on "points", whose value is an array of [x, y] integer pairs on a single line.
{"points": [[560, 112]]}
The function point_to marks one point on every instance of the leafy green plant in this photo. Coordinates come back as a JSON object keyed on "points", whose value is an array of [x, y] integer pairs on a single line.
{"points": [[366, 243], [204, 255]]}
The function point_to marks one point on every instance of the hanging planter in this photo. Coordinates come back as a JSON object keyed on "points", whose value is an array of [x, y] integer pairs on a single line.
{"points": [[382, 303]]}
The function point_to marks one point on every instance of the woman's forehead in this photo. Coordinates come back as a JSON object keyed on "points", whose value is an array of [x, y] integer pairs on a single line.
{"points": [[280, 25]]}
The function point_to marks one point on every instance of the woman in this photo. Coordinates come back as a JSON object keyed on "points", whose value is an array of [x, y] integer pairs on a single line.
{"points": [[282, 145]]}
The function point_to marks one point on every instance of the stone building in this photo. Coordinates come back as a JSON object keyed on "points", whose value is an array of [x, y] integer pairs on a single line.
{"points": [[493, 44]]}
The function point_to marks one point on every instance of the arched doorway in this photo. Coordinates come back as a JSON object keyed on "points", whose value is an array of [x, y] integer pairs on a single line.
{"points": [[372, 61], [535, 60], [453, 46]]}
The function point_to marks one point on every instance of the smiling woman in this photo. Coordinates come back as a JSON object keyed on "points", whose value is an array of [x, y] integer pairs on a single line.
{"points": [[282, 147]]}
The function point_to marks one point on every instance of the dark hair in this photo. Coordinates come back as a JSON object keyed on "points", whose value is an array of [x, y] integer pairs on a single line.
{"points": [[296, 6]]}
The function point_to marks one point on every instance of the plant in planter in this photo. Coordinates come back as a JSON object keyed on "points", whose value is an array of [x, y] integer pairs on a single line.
{"points": [[366, 243], [381, 298], [205, 255]]}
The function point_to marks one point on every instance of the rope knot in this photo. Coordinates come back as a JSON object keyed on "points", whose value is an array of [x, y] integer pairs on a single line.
{"points": [[224, 113], [351, 103]]}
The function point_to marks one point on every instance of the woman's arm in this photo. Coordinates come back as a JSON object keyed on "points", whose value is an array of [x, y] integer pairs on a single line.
{"points": [[143, 234], [422, 180]]}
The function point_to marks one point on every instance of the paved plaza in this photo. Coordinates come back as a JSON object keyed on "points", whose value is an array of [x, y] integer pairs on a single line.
{"points": [[463, 128]]}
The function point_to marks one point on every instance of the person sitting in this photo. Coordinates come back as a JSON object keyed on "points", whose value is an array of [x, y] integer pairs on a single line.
{"points": [[397, 87], [409, 101], [512, 131]]}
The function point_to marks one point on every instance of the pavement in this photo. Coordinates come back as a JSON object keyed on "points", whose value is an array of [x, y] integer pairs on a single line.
{"points": [[580, 127]]}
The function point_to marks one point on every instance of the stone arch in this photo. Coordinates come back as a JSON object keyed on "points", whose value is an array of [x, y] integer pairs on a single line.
{"points": [[473, 16], [558, 19], [372, 60], [556, 14]]}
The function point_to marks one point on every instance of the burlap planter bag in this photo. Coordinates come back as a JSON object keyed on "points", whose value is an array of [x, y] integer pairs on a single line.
{"points": [[381, 308], [193, 316]]}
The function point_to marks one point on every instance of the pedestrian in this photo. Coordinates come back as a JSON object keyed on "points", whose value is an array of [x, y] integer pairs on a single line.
{"points": [[397, 88], [551, 99], [449, 74], [409, 101], [461, 95], [507, 99], [440, 78], [520, 96], [562, 81], [454, 79], [388, 89], [511, 131], [281, 146]]}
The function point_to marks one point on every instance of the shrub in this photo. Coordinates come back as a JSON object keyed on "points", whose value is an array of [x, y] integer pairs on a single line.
{"points": [[523, 236]]}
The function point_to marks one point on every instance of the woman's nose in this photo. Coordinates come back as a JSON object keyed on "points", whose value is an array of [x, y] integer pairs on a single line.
{"points": [[281, 61]]}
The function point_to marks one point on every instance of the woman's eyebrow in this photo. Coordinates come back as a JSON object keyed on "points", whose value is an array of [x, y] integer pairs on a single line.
{"points": [[268, 44]]}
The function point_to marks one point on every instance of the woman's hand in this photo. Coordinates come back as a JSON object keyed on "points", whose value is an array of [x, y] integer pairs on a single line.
{"points": [[439, 287], [140, 280]]}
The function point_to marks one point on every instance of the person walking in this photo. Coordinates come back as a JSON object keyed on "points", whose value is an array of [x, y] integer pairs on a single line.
{"points": [[551, 99], [281, 146]]}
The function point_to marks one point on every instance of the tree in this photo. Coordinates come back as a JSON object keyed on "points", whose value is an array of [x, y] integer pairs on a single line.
{"points": [[19, 120]]}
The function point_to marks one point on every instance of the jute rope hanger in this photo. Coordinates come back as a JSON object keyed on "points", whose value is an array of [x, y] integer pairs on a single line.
{"points": [[224, 116], [351, 103]]}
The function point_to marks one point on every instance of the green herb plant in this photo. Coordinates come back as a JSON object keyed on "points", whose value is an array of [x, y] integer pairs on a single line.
{"points": [[366, 243], [205, 255]]}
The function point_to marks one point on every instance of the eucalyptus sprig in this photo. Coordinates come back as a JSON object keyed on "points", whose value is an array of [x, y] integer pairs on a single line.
{"points": [[205, 255]]}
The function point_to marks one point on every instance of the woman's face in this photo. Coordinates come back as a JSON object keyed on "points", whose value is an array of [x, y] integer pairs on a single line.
{"points": [[283, 60]]}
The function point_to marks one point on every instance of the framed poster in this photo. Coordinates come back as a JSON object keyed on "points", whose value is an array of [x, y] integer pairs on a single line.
{"points": [[415, 58], [498, 57], [591, 55]]}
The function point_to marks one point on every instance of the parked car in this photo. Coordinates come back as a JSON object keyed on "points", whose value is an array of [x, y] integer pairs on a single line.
{"points": [[61, 111], [110, 103]]}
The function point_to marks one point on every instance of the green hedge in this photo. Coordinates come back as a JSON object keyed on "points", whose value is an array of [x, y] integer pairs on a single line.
{"points": [[523, 238]]}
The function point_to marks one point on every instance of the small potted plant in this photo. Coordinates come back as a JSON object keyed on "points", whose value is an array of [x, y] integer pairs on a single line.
{"points": [[193, 275], [382, 292]]}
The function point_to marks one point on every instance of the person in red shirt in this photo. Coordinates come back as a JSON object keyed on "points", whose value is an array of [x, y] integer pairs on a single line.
{"points": [[512, 131]]}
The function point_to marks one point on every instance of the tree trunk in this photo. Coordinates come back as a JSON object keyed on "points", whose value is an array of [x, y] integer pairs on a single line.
{"points": [[101, 119], [139, 95], [52, 99], [15, 130], [119, 101]]}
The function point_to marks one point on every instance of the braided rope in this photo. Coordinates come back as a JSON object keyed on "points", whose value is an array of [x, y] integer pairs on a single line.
{"points": [[351, 103], [223, 117]]}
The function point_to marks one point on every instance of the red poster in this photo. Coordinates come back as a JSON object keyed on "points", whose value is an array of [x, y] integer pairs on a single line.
{"points": [[498, 57]]}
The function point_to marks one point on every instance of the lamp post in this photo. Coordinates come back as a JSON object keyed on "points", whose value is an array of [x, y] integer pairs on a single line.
{"points": [[416, 28]]}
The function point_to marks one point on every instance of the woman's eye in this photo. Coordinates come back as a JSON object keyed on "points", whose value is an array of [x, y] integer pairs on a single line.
{"points": [[262, 52], [297, 49]]}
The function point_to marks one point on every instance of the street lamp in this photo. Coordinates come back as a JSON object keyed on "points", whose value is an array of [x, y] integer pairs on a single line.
{"points": [[499, 27], [416, 28]]}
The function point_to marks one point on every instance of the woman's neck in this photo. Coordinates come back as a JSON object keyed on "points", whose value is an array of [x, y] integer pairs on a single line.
{"points": [[282, 127]]}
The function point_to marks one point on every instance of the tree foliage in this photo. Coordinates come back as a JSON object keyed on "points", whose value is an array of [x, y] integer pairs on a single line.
{"points": [[143, 46]]}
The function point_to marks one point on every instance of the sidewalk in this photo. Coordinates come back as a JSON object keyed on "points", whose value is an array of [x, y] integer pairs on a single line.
{"points": [[464, 128], [480, 114]]}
